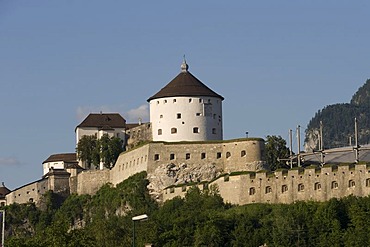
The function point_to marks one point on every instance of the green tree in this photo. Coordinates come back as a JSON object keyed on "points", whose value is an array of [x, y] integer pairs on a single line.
{"points": [[276, 149], [109, 149], [87, 151]]}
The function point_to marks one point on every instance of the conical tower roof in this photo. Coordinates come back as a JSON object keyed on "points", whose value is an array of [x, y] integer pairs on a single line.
{"points": [[185, 84]]}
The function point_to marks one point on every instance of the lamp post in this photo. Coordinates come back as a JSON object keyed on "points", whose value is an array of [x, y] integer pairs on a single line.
{"points": [[2, 213], [137, 218]]}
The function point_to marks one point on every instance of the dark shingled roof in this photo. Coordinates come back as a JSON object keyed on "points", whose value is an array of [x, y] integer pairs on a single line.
{"points": [[185, 84], [103, 121], [67, 157], [3, 191]]}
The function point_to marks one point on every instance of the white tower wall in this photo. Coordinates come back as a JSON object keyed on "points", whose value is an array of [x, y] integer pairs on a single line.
{"points": [[193, 118]]}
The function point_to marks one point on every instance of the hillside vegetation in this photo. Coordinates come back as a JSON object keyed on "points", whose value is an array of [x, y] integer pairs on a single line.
{"points": [[338, 122], [199, 219]]}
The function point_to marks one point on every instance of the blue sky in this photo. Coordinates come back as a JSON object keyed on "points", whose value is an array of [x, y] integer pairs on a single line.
{"points": [[275, 62]]}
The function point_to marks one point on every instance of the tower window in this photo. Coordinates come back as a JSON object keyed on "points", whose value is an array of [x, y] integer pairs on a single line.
{"points": [[200, 100], [161, 116], [228, 154], [178, 115], [174, 100], [172, 156], [218, 155], [159, 132], [203, 156], [214, 131], [195, 130], [187, 156], [173, 130], [197, 114], [165, 101], [189, 100], [243, 153], [156, 157]]}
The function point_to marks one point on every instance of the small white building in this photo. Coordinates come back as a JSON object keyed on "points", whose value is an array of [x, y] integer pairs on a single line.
{"points": [[99, 124], [66, 161], [186, 110]]}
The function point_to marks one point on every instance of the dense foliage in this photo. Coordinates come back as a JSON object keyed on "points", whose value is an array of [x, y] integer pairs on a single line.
{"points": [[338, 121], [92, 151], [199, 219]]}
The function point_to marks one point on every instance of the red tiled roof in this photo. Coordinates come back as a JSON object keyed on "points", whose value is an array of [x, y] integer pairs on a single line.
{"points": [[103, 121], [185, 84]]}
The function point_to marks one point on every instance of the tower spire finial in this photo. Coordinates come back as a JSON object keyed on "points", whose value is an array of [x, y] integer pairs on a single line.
{"points": [[184, 65]]}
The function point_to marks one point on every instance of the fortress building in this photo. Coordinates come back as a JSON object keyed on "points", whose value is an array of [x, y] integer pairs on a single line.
{"points": [[186, 110], [183, 145]]}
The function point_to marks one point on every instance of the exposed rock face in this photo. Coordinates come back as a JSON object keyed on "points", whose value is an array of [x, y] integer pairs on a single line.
{"points": [[170, 174], [312, 140]]}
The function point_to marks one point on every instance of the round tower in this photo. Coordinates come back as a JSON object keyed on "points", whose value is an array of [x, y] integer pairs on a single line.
{"points": [[186, 110]]}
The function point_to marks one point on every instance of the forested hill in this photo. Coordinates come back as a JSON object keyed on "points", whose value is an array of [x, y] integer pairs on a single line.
{"points": [[338, 122]]}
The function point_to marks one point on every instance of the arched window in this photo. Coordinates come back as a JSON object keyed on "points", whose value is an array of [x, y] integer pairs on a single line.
{"points": [[334, 185], [268, 189], [284, 188], [252, 191], [300, 187], [351, 183], [173, 130], [228, 154], [243, 153], [159, 132], [214, 131], [172, 156], [317, 186]]}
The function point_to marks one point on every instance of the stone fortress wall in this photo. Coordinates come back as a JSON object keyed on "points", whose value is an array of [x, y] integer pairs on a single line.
{"points": [[287, 186]]}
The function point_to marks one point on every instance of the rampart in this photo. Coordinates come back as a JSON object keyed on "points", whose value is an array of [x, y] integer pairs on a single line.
{"points": [[89, 182], [288, 186]]}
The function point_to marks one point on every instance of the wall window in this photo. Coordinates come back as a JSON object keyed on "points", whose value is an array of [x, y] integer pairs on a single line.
{"points": [[200, 100], [334, 185], [195, 130], [268, 189], [368, 182], [189, 100], [203, 156], [214, 131], [243, 153], [172, 156], [284, 188], [218, 155], [159, 132], [161, 116], [178, 115], [197, 114], [157, 102], [165, 101], [317, 186], [173, 130], [214, 116], [156, 157], [252, 191], [228, 154], [300, 187], [174, 100], [187, 156], [351, 183], [209, 100]]}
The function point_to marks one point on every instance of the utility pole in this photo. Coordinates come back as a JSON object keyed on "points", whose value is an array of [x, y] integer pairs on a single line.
{"points": [[321, 145], [2, 213], [299, 145], [356, 142], [290, 148]]}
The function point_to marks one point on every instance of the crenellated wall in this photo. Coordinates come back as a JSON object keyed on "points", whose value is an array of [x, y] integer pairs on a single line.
{"points": [[288, 186]]}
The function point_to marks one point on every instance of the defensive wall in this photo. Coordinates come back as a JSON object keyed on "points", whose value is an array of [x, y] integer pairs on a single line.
{"points": [[232, 155], [287, 186], [31, 192]]}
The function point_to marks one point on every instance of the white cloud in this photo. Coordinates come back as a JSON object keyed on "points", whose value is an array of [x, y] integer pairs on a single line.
{"points": [[10, 161], [141, 112]]}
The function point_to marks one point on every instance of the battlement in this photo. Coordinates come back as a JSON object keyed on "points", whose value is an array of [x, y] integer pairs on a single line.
{"points": [[287, 186]]}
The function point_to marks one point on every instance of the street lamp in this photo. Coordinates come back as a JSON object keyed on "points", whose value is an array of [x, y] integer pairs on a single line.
{"points": [[2, 213], [137, 218]]}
